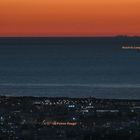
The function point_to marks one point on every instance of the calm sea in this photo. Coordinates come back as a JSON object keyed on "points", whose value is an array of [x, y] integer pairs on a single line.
{"points": [[102, 70]]}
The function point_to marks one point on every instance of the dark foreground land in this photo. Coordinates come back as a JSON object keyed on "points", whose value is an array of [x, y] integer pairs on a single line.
{"points": [[42, 118]]}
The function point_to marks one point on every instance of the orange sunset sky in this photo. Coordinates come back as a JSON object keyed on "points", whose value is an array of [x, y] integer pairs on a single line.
{"points": [[69, 17]]}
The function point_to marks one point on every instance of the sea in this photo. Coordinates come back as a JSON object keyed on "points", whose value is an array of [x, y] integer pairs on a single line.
{"points": [[71, 67]]}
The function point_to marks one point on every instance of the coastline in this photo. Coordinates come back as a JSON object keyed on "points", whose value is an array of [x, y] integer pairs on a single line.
{"points": [[29, 117], [68, 98]]}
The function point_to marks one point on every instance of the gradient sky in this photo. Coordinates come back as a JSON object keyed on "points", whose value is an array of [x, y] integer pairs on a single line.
{"points": [[69, 17]]}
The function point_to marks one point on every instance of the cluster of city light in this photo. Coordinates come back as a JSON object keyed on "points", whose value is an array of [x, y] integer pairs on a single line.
{"points": [[131, 47], [55, 123]]}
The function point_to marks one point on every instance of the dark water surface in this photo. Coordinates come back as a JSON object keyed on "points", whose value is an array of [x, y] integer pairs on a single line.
{"points": [[96, 69]]}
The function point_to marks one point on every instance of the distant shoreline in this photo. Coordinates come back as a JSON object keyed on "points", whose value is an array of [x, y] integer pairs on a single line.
{"points": [[69, 98]]}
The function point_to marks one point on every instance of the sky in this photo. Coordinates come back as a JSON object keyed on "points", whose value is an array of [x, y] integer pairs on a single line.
{"points": [[69, 17]]}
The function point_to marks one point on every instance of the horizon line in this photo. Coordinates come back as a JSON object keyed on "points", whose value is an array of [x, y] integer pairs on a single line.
{"points": [[98, 36]]}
